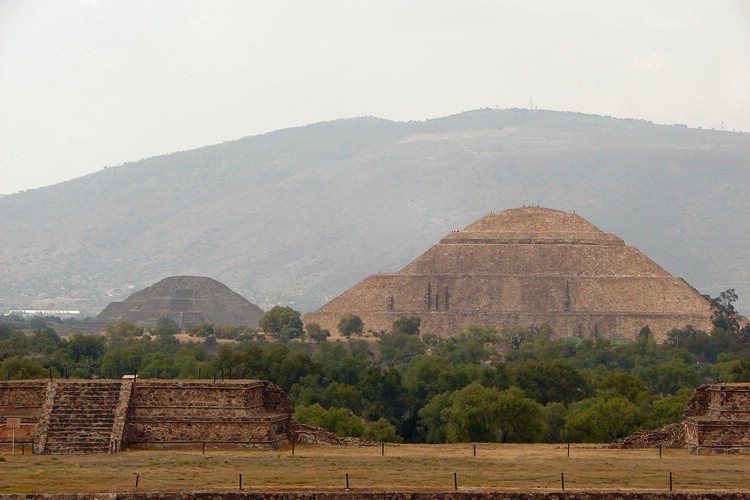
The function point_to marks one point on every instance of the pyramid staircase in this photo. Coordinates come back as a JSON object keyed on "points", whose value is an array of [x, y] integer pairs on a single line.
{"points": [[83, 417]]}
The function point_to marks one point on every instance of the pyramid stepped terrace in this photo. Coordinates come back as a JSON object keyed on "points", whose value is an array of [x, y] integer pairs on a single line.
{"points": [[526, 267]]}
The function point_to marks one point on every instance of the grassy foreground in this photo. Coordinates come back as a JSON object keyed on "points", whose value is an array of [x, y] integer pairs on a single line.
{"points": [[402, 468]]}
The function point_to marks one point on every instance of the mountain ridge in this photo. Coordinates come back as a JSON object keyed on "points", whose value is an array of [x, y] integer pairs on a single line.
{"points": [[298, 215]]}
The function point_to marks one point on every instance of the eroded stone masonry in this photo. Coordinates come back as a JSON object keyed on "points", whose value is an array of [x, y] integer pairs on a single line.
{"points": [[716, 420], [525, 267], [102, 416]]}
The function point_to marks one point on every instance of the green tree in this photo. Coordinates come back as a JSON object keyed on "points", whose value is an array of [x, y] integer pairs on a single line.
{"points": [[201, 330], [190, 359], [408, 325], [82, 347], [515, 337], [285, 368], [340, 421], [668, 377], [123, 329], [5, 331], [224, 331], [723, 314], [627, 385], [340, 395], [166, 327], [316, 333], [601, 420], [432, 417], [382, 431], [159, 365], [554, 420], [475, 345], [45, 341], [338, 363], [13, 343], [399, 348], [663, 410], [383, 394], [37, 323], [282, 320], [422, 375], [549, 382], [18, 367], [350, 324], [461, 375], [479, 413], [123, 360], [740, 371]]}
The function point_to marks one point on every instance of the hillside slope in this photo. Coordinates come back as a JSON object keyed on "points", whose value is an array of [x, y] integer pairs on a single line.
{"points": [[299, 215]]}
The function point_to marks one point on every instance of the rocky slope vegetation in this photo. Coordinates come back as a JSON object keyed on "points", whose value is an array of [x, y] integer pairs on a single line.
{"points": [[300, 215]]}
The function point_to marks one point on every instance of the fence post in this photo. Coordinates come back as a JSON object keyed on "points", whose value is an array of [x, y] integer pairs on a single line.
{"points": [[292, 448], [347, 480], [568, 449], [455, 481], [562, 480], [204, 448], [670, 481], [475, 450], [659, 452], [240, 480], [137, 477], [382, 449]]}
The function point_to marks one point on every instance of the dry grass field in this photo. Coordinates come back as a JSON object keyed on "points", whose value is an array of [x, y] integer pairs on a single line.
{"points": [[401, 468]]}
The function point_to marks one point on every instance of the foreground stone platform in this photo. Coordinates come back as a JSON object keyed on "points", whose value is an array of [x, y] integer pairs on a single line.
{"points": [[719, 419], [716, 421], [100, 416]]}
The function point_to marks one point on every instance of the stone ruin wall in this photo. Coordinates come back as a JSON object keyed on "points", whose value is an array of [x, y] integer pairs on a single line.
{"points": [[719, 419], [157, 414], [169, 412], [716, 420], [23, 400]]}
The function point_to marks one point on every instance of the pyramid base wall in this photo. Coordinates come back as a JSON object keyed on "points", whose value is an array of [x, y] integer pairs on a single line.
{"points": [[564, 325]]}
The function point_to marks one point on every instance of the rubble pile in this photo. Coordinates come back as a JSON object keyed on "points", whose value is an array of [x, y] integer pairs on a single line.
{"points": [[670, 436]]}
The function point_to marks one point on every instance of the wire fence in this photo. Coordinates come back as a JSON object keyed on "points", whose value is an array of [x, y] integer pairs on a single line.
{"points": [[454, 472]]}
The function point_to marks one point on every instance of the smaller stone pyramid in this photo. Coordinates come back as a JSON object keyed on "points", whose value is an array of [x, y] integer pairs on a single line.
{"points": [[525, 267], [188, 300]]}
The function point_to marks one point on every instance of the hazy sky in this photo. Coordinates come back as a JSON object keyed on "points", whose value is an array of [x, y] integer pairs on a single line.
{"points": [[87, 84]]}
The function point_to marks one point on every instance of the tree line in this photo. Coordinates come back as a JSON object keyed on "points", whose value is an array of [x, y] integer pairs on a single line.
{"points": [[401, 385]]}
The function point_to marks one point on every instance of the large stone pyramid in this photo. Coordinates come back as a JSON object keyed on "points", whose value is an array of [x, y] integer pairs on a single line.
{"points": [[188, 300], [525, 267]]}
